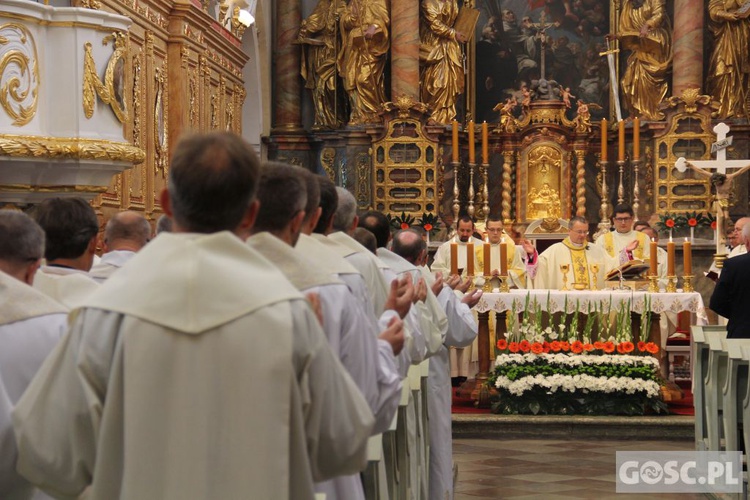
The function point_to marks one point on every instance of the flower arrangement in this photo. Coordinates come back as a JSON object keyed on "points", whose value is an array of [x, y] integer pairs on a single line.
{"points": [[669, 222], [403, 221], [710, 220], [429, 222], [554, 369]]}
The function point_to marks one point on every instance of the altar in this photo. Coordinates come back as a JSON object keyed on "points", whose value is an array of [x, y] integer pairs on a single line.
{"points": [[574, 310]]}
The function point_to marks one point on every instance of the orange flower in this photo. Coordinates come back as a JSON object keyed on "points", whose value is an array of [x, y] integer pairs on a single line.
{"points": [[619, 349], [692, 222], [652, 348], [513, 347], [669, 223], [537, 348], [502, 344], [524, 346], [713, 225], [565, 346], [428, 227], [609, 347], [404, 225], [588, 347], [545, 346], [627, 347], [598, 345], [642, 346], [576, 347], [555, 346]]}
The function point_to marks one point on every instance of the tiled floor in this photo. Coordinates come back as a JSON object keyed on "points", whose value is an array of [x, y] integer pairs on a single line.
{"points": [[547, 469]]}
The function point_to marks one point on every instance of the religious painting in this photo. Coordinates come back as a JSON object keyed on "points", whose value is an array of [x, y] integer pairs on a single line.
{"points": [[513, 38]]}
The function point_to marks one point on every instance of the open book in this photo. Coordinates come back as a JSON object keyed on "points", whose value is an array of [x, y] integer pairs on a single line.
{"points": [[630, 270]]}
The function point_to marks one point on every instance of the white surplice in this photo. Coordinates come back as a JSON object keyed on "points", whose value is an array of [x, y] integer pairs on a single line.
{"points": [[615, 242], [109, 263], [462, 331], [196, 371], [69, 287], [352, 337], [31, 325]]}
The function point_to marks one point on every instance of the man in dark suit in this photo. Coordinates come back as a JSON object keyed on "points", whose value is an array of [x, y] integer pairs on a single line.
{"points": [[732, 294]]}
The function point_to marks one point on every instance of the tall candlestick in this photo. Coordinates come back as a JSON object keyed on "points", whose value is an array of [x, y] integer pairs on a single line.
{"points": [[487, 257], [455, 141], [485, 145], [636, 138], [503, 258], [604, 139], [470, 259], [454, 258], [670, 258], [687, 258], [472, 155], [621, 142], [653, 259]]}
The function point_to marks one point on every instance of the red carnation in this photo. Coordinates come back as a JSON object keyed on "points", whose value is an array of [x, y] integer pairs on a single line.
{"points": [[428, 227], [404, 225], [669, 223], [692, 222]]}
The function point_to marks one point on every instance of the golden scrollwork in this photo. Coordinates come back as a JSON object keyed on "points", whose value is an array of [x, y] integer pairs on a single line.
{"points": [[690, 98], [403, 106], [184, 56], [91, 4], [112, 90], [19, 73], [214, 111], [506, 184], [193, 96], [137, 98], [363, 180], [69, 148], [160, 120], [327, 159], [28, 188], [229, 115]]}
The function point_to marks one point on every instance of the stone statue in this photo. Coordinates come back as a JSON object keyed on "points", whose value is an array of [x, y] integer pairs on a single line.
{"points": [[441, 59], [730, 62], [318, 37], [361, 61], [644, 30]]}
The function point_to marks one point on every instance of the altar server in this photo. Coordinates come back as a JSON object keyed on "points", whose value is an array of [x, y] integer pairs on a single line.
{"points": [[197, 370]]}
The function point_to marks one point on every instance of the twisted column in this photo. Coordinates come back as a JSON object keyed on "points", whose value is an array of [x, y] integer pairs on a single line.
{"points": [[580, 183], [507, 186]]}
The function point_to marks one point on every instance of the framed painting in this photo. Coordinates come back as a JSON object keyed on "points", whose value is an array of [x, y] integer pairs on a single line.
{"points": [[513, 37]]}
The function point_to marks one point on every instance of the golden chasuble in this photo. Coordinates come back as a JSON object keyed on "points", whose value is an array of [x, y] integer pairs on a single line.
{"points": [[579, 263]]}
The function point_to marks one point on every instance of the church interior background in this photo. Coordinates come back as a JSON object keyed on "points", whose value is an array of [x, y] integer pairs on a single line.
{"points": [[94, 98]]}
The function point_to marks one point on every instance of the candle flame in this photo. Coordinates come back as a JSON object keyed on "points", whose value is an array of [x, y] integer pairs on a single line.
{"points": [[686, 240], [670, 237], [653, 239], [502, 240]]}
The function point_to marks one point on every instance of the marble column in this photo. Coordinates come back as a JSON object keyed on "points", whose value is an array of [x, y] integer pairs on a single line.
{"points": [[286, 78], [688, 46], [405, 49]]}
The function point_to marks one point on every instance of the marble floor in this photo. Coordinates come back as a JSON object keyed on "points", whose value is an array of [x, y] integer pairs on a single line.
{"points": [[517, 469]]}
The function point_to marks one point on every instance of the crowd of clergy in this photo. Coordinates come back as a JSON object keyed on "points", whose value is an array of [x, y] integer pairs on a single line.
{"points": [[267, 341]]}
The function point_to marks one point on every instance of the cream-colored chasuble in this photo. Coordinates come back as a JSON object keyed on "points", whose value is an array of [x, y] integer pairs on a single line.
{"points": [[196, 371], [20, 301], [69, 287], [579, 261]]}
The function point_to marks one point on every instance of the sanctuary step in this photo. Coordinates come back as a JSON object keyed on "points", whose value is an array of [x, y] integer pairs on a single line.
{"points": [[491, 426]]}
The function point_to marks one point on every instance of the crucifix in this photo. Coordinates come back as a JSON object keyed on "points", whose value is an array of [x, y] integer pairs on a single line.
{"points": [[543, 26], [719, 178]]}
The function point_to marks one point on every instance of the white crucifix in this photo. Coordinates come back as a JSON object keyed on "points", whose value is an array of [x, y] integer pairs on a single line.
{"points": [[716, 170]]}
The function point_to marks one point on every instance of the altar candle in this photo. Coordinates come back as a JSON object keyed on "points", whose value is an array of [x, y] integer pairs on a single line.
{"points": [[687, 258], [604, 139], [653, 259], [486, 251], [636, 138], [470, 259], [485, 145], [670, 258], [503, 258], [455, 141], [454, 258], [621, 142], [472, 155]]}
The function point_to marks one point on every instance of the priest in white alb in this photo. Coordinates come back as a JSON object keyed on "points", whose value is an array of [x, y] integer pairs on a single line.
{"points": [[124, 235], [518, 257], [464, 235], [31, 325], [197, 370]]}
